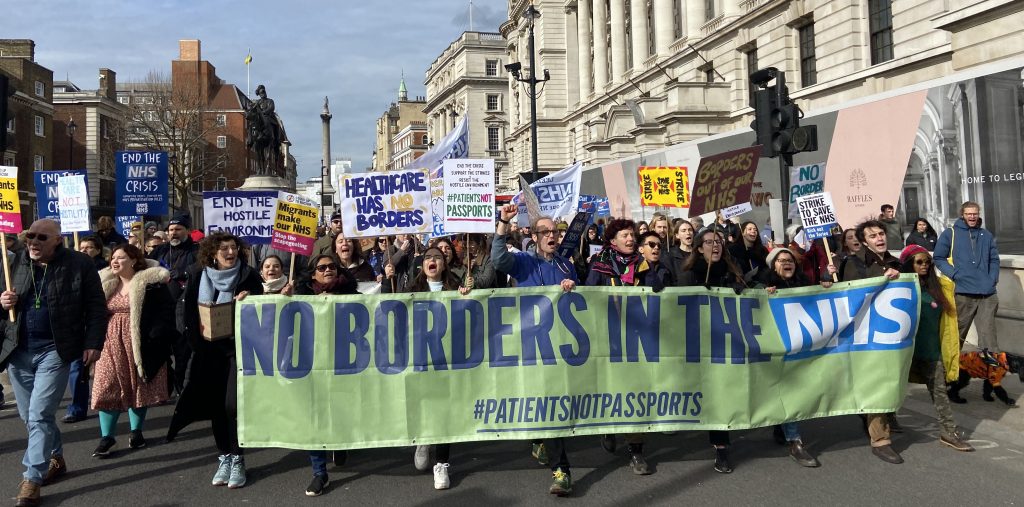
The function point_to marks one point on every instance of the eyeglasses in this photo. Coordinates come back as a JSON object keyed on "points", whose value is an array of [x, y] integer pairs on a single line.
{"points": [[784, 261], [382, 240], [36, 235], [652, 244], [335, 221], [922, 262], [545, 232], [327, 267], [710, 242], [433, 258]]}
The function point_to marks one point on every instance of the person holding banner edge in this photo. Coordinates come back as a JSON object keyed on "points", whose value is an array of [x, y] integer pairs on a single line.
{"points": [[538, 269]]}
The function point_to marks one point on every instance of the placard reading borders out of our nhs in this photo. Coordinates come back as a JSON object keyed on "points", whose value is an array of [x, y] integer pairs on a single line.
{"points": [[385, 204], [73, 195], [246, 214], [10, 203], [46, 191], [141, 182], [469, 196], [295, 221], [817, 214], [372, 371]]}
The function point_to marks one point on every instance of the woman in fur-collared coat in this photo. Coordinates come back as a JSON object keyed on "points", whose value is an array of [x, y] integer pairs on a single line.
{"points": [[131, 373]]}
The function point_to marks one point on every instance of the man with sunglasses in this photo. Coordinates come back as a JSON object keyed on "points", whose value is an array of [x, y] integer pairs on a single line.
{"points": [[61, 315], [177, 255], [545, 267], [325, 244]]}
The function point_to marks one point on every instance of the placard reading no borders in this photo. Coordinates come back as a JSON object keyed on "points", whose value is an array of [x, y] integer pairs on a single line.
{"points": [[384, 204], [469, 196]]}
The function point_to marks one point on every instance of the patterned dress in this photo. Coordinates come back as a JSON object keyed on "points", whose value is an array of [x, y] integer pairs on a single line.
{"points": [[116, 384]]}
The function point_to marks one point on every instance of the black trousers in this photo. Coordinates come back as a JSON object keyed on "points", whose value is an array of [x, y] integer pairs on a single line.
{"points": [[555, 448]]}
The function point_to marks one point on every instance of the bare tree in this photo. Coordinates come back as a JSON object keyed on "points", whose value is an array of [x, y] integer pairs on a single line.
{"points": [[175, 119]]}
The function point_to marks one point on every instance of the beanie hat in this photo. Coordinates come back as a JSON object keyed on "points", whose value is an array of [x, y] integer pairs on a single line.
{"points": [[182, 219], [150, 224], [910, 252], [775, 253]]}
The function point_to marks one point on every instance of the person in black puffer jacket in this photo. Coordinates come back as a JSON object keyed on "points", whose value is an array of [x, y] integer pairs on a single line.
{"points": [[923, 235]]}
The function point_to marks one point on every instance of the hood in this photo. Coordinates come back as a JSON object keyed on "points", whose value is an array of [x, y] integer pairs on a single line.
{"points": [[962, 224]]}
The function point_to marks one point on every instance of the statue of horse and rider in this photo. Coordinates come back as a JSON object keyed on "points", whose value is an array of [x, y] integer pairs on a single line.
{"points": [[263, 132]]}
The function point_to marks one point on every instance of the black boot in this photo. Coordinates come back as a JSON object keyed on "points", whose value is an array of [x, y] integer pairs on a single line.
{"points": [[722, 464], [636, 460]]}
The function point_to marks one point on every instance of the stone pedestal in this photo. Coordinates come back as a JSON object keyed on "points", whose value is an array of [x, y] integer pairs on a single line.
{"points": [[265, 183]]}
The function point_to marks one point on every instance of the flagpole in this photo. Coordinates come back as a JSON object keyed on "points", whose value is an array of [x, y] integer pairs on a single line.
{"points": [[247, 88]]}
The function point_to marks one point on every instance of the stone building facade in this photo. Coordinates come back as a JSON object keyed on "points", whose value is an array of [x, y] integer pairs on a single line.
{"points": [[399, 115], [468, 77]]}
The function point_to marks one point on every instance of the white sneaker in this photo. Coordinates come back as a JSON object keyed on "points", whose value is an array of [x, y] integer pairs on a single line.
{"points": [[441, 476], [422, 458]]}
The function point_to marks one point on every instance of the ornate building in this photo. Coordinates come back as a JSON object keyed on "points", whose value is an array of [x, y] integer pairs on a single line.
{"points": [[398, 116]]}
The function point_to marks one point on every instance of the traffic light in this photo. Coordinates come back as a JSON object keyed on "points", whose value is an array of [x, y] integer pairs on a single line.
{"points": [[777, 118], [4, 93]]}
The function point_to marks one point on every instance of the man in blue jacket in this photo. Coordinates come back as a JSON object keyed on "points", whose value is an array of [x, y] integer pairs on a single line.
{"points": [[545, 267], [975, 269]]}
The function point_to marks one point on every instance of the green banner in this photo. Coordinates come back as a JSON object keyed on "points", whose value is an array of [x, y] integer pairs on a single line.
{"points": [[343, 372]]}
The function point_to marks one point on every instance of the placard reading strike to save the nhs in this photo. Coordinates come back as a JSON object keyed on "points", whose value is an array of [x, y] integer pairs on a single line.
{"points": [[385, 204], [295, 220]]}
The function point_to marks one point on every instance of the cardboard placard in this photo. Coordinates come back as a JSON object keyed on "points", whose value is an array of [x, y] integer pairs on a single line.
{"points": [[724, 180], [216, 321]]}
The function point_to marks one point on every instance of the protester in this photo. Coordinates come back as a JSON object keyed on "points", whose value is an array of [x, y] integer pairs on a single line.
{"points": [[816, 260], [221, 276], [893, 229], [131, 373], [78, 378], [727, 227], [454, 263], [478, 255], [711, 266], [681, 250], [59, 303], [748, 252], [434, 276], [851, 244], [152, 243], [107, 234], [93, 247], [328, 277], [660, 225], [782, 275], [150, 229], [967, 254], [325, 245], [378, 255], [923, 235], [874, 260], [177, 256], [640, 228], [350, 255], [927, 361], [272, 272], [651, 271], [545, 267]]}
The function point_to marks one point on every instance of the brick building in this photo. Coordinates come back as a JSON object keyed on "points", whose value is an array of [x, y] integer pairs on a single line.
{"points": [[30, 132], [98, 120], [399, 115]]}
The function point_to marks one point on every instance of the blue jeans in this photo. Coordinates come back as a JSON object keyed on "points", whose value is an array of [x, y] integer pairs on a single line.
{"points": [[78, 383], [39, 381], [791, 430], [318, 459]]}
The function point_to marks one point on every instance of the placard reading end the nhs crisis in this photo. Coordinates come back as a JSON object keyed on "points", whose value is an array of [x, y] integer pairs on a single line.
{"points": [[141, 182]]}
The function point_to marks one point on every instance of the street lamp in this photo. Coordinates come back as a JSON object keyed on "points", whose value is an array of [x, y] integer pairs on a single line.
{"points": [[531, 15], [71, 142]]}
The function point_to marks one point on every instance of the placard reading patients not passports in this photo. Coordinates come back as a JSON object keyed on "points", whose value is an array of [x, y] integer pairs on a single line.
{"points": [[469, 196], [817, 214], [385, 204]]}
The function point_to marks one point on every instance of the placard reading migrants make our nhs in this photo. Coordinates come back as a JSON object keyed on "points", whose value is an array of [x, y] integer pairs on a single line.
{"points": [[246, 214], [400, 369], [469, 196], [385, 204], [141, 182], [10, 203], [46, 191]]}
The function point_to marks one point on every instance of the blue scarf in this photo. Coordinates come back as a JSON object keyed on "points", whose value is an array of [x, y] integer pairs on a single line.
{"points": [[220, 283]]}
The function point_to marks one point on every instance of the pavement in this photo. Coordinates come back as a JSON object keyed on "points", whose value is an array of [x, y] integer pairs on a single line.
{"points": [[179, 473]]}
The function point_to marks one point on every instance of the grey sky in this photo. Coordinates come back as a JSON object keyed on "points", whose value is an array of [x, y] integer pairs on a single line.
{"points": [[353, 52]]}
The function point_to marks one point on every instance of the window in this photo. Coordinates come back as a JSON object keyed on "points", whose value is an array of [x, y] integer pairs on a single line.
{"points": [[105, 128], [650, 29], [124, 99], [709, 10], [493, 102], [751, 68], [197, 185], [8, 160], [222, 120], [880, 25], [40, 89], [808, 63], [709, 73], [492, 68], [222, 142], [150, 116], [493, 138], [37, 163], [677, 18], [222, 183], [40, 126], [10, 125]]}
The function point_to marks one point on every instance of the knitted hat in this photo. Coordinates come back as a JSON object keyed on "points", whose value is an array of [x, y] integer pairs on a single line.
{"points": [[775, 253], [182, 219], [911, 251]]}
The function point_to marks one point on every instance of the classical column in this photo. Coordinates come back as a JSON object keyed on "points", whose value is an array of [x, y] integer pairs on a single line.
{"points": [[638, 25], [663, 27], [600, 46], [731, 8], [618, 19], [695, 15], [583, 41]]}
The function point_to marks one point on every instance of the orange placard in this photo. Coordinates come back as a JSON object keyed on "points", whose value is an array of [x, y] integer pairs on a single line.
{"points": [[667, 187]]}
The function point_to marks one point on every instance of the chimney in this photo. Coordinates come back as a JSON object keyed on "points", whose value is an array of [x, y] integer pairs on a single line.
{"points": [[108, 84], [18, 48], [189, 50]]}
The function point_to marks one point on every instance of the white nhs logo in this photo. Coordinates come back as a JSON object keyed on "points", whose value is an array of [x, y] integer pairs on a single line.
{"points": [[557, 192]]}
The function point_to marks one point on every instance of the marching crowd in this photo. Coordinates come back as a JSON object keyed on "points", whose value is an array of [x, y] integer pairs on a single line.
{"points": [[128, 308]]}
